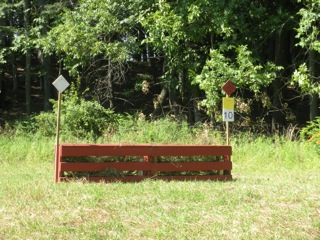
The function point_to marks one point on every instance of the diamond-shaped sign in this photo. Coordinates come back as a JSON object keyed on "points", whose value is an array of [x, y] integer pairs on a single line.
{"points": [[61, 84], [228, 87]]}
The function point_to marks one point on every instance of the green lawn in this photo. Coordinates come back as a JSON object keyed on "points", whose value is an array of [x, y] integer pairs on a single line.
{"points": [[275, 194]]}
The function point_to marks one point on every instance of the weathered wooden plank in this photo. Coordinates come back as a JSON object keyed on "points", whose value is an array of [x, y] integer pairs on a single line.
{"points": [[141, 178], [147, 152], [145, 166], [190, 166], [96, 167], [195, 178], [76, 150], [106, 179]]}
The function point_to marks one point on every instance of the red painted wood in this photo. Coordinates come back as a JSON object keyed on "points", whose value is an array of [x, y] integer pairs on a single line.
{"points": [[108, 179], [76, 150], [141, 178], [191, 166], [96, 167], [148, 152], [195, 178], [144, 166]]}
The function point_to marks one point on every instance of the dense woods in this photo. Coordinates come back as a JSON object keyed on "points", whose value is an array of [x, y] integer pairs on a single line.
{"points": [[165, 57]]}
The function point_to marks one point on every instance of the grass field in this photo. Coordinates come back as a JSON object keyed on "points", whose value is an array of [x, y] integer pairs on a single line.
{"points": [[275, 194]]}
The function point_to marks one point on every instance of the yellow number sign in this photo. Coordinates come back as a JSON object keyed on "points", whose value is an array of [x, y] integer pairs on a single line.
{"points": [[228, 109]]}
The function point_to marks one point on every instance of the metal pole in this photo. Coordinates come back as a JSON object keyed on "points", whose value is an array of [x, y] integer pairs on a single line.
{"points": [[56, 162]]}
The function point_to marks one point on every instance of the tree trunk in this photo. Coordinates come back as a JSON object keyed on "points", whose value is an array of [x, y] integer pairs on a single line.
{"points": [[28, 82], [2, 92], [281, 56], [2, 87], [46, 65], [174, 106], [12, 58], [15, 79], [26, 7], [195, 103], [109, 82], [313, 97], [47, 86], [158, 102], [314, 106]]}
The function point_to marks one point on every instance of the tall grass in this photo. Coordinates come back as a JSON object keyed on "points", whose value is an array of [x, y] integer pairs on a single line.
{"points": [[26, 148], [275, 193], [274, 153], [163, 131]]}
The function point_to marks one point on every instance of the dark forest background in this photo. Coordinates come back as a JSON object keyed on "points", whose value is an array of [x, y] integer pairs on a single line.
{"points": [[164, 58]]}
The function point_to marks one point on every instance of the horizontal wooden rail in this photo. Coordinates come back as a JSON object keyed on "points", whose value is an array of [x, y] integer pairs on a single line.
{"points": [[78, 150], [141, 178], [147, 166]]}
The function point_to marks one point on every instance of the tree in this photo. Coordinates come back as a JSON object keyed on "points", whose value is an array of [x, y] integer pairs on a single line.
{"points": [[2, 61], [10, 21], [27, 20], [94, 39], [243, 70], [178, 31], [45, 59], [308, 32]]}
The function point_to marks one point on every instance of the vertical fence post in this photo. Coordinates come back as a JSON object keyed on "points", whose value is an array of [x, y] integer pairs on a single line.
{"points": [[56, 162], [228, 88], [60, 84], [227, 129]]}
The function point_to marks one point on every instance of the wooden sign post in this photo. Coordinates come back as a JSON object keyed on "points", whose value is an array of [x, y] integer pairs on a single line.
{"points": [[228, 114], [60, 84], [228, 107]]}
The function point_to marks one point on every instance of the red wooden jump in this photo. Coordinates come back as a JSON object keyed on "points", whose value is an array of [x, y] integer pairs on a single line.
{"points": [[148, 165]]}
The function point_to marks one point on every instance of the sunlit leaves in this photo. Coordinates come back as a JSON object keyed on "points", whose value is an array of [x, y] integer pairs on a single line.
{"points": [[93, 28], [243, 70], [308, 31], [308, 34], [303, 79]]}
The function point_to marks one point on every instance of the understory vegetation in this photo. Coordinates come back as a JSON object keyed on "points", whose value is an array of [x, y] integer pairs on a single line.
{"points": [[274, 193]]}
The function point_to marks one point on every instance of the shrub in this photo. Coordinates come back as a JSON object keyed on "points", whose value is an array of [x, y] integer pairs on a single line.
{"points": [[87, 119], [79, 118], [312, 132], [45, 123]]}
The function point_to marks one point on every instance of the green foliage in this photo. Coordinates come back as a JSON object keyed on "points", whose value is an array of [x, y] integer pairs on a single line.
{"points": [[243, 70], [171, 33], [303, 79], [80, 119], [25, 126], [43, 17], [91, 29], [308, 37], [132, 130], [312, 132], [87, 119], [46, 123], [2, 56], [308, 30]]}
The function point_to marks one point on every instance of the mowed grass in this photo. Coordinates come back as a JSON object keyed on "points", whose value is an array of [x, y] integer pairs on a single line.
{"points": [[275, 194]]}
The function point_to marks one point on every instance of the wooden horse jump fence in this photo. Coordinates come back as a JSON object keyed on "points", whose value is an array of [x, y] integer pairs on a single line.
{"points": [[136, 162]]}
